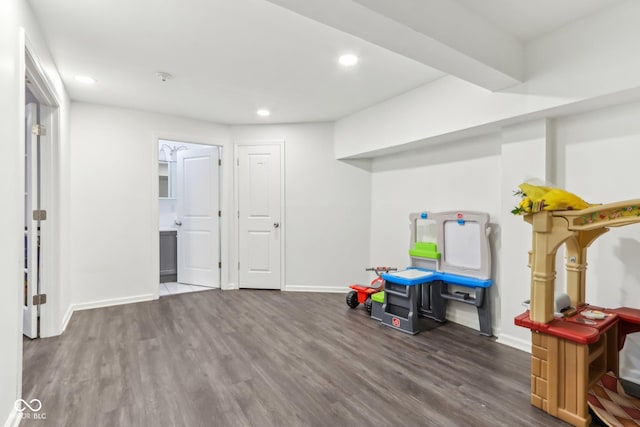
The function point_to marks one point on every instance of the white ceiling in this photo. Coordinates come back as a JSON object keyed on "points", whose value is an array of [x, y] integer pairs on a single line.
{"points": [[231, 57], [528, 20]]}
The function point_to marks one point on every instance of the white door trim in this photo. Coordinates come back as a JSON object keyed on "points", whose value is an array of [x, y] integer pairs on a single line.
{"points": [[236, 199], [155, 210], [51, 313]]}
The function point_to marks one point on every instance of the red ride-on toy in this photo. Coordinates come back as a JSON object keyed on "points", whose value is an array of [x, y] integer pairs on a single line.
{"points": [[361, 294]]}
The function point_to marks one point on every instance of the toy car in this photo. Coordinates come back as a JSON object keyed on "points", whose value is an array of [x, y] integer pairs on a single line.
{"points": [[361, 294]]}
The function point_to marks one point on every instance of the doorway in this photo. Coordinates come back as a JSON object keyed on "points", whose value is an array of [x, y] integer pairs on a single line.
{"points": [[189, 216], [40, 207]]}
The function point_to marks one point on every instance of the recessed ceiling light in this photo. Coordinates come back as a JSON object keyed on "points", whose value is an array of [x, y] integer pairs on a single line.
{"points": [[348, 60], [263, 113], [85, 79]]}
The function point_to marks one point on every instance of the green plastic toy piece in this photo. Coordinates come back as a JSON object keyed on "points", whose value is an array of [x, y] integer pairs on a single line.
{"points": [[378, 297], [425, 250]]}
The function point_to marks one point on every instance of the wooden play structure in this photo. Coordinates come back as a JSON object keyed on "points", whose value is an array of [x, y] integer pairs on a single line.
{"points": [[571, 351]]}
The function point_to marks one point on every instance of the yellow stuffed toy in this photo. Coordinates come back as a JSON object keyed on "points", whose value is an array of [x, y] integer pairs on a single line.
{"points": [[537, 197]]}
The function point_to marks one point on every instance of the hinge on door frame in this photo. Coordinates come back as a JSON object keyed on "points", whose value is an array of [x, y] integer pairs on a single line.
{"points": [[219, 213], [39, 299], [219, 162], [40, 215], [38, 130], [220, 264], [238, 265]]}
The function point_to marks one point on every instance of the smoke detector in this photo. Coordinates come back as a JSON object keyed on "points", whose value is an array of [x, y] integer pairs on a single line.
{"points": [[163, 77]]}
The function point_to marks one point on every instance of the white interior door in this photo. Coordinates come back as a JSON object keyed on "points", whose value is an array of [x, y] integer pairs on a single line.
{"points": [[259, 213], [197, 212], [31, 203]]}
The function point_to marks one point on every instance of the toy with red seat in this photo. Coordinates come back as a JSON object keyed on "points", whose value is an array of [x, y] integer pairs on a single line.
{"points": [[361, 294]]}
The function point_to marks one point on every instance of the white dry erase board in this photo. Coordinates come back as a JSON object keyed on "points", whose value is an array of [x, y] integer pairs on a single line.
{"points": [[464, 243]]}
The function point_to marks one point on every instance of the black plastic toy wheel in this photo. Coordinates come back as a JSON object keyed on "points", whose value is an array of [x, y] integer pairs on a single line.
{"points": [[352, 299], [368, 305]]}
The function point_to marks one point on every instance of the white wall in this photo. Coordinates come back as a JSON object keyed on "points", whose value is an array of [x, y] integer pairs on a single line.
{"points": [[167, 213], [11, 216], [597, 158], [464, 175], [327, 208], [114, 204], [327, 203], [525, 156], [584, 60], [15, 15]]}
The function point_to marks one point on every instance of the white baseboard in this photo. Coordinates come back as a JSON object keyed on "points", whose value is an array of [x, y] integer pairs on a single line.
{"points": [[518, 343], [109, 303], [14, 418], [325, 289], [102, 303], [66, 319], [112, 302], [632, 375]]}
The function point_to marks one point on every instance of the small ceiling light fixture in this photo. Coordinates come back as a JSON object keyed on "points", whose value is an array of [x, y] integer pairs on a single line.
{"points": [[263, 113], [85, 79], [163, 77], [348, 60]]}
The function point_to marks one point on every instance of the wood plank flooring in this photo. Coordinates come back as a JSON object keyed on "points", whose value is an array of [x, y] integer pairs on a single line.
{"points": [[269, 358]]}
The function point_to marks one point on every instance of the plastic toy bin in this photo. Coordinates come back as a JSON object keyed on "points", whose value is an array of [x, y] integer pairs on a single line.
{"points": [[426, 263], [425, 255]]}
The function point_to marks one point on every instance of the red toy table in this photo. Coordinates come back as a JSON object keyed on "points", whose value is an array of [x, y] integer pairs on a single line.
{"points": [[574, 329], [629, 322]]}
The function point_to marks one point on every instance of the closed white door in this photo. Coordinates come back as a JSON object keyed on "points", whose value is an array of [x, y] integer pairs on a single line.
{"points": [[197, 212], [31, 249], [259, 212]]}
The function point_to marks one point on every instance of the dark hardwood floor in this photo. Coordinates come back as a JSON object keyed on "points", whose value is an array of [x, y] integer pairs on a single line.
{"points": [[268, 358]]}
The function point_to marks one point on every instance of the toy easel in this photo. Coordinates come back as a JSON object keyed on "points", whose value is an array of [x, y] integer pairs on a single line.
{"points": [[465, 261], [570, 354], [423, 289]]}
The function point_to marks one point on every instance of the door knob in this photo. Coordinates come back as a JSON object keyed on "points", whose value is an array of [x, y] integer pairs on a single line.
{"points": [[276, 224], [177, 222]]}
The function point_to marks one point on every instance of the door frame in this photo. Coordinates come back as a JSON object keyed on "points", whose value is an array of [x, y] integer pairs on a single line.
{"points": [[51, 316], [155, 210], [236, 201]]}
